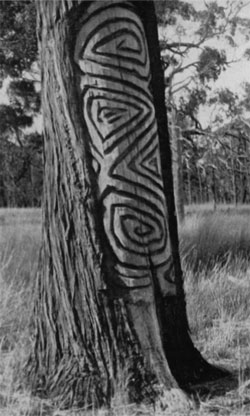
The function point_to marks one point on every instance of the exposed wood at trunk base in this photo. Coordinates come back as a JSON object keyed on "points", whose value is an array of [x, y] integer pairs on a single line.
{"points": [[185, 361]]}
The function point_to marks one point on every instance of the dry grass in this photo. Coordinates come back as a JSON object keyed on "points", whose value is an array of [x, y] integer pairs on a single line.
{"points": [[210, 239], [217, 288]]}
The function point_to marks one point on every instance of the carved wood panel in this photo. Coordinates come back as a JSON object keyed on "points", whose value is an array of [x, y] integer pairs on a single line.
{"points": [[112, 55]]}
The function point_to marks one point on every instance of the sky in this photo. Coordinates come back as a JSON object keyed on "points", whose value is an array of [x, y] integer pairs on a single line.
{"points": [[236, 73], [200, 4]]}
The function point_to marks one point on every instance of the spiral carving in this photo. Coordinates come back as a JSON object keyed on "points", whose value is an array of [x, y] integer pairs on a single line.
{"points": [[112, 55]]}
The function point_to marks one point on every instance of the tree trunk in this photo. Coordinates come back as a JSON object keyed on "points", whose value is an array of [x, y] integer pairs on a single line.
{"points": [[214, 188], [177, 168], [189, 184], [3, 199], [200, 185], [233, 177], [109, 292], [32, 198]]}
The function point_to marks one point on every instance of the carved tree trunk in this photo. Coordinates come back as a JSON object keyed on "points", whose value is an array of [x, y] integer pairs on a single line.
{"points": [[109, 292]]}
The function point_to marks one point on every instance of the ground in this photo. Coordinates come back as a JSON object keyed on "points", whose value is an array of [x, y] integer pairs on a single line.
{"points": [[215, 251]]}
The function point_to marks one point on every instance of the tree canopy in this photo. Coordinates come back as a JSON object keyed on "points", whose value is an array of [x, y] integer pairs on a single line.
{"points": [[196, 52]]}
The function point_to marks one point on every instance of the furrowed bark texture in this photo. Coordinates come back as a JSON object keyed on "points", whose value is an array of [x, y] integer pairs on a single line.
{"points": [[86, 328], [79, 338], [110, 292]]}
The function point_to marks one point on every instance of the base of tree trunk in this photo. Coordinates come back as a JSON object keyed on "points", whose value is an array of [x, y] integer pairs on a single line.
{"points": [[186, 363], [83, 380], [72, 383]]}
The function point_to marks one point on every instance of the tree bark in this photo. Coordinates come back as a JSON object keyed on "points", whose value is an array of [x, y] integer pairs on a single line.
{"points": [[189, 185], [200, 185], [176, 146], [109, 291], [186, 363], [179, 181]]}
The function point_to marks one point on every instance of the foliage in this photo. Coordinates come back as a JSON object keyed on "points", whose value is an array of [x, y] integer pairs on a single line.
{"points": [[21, 158], [13, 118], [22, 92], [18, 50], [215, 158], [168, 11], [21, 172], [211, 63], [187, 55]]}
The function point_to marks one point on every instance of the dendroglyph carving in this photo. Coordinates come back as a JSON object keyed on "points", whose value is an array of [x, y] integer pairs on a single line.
{"points": [[112, 55]]}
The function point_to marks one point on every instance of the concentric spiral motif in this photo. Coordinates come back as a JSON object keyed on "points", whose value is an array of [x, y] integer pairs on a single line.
{"points": [[112, 55]]}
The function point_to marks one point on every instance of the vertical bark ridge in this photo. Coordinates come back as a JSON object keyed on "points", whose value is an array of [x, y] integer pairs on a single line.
{"points": [[81, 338]]}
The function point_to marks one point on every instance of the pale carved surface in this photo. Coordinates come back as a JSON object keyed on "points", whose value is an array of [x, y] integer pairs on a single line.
{"points": [[112, 55]]}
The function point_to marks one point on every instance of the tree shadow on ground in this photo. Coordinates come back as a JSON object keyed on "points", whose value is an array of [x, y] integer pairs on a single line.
{"points": [[229, 384]]}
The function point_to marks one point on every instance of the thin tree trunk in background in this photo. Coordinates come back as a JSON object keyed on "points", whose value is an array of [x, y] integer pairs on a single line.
{"points": [[177, 168], [32, 187], [242, 170], [245, 181], [3, 198], [189, 185], [214, 189], [244, 187], [200, 186], [110, 289], [234, 182]]}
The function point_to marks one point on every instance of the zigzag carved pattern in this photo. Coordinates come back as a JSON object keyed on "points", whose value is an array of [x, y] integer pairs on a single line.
{"points": [[117, 106]]}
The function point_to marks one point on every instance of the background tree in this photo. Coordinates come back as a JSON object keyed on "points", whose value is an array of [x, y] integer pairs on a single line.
{"points": [[215, 158], [21, 165], [191, 64]]}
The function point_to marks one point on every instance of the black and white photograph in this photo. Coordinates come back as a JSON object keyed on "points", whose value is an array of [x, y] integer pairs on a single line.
{"points": [[124, 207]]}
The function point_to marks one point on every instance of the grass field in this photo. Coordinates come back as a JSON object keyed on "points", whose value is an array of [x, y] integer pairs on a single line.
{"points": [[215, 249]]}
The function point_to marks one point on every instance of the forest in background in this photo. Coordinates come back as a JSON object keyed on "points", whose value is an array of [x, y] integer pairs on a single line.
{"points": [[210, 157]]}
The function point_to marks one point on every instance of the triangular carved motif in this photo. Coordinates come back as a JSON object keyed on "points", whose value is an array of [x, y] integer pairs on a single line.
{"points": [[141, 162], [123, 43], [113, 116]]}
